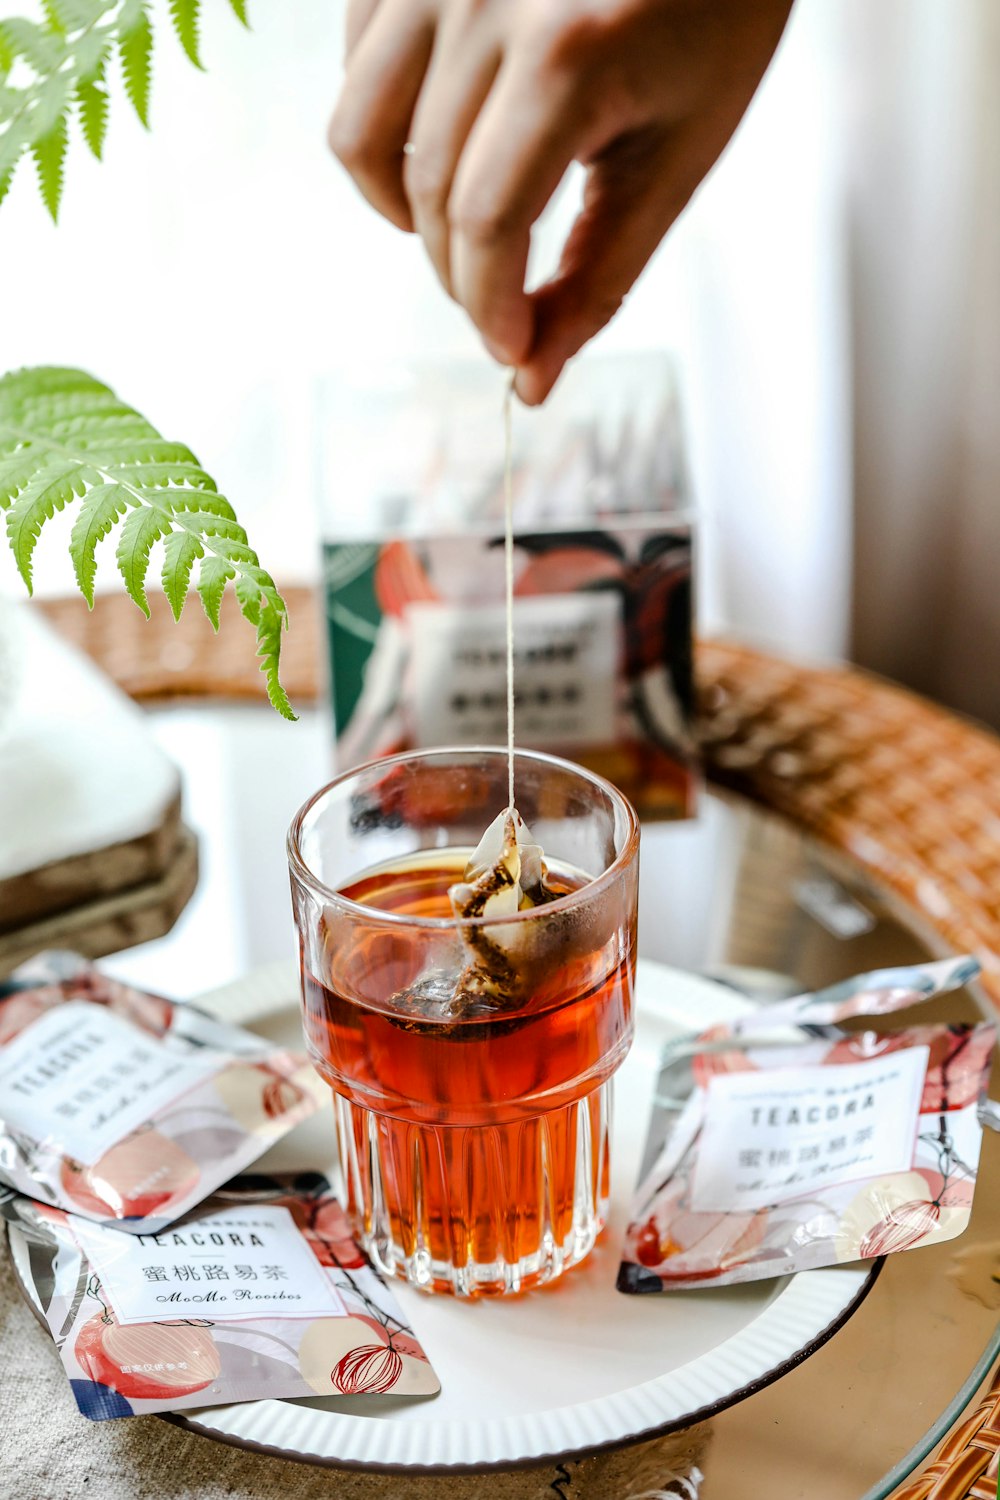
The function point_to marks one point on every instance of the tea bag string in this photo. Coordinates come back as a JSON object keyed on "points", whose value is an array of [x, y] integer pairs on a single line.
{"points": [[508, 552]]}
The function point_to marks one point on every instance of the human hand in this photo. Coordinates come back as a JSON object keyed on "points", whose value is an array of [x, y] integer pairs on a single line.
{"points": [[459, 118]]}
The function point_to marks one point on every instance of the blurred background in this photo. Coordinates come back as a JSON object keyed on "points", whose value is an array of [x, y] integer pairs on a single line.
{"points": [[831, 297]]}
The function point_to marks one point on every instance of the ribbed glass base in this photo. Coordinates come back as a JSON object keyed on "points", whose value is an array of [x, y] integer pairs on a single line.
{"points": [[478, 1210]]}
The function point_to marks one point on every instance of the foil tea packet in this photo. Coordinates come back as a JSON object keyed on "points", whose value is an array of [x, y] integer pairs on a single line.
{"points": [[126, 1108], [772, 1150], [261, 1292]]}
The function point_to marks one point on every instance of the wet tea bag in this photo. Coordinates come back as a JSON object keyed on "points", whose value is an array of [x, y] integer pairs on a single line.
{"points": [[505, 875]]}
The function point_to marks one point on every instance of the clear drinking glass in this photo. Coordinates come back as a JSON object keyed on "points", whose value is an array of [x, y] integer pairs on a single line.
{"points": [[473, 1119]]}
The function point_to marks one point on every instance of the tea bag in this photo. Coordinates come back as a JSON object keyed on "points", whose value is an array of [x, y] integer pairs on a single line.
{"points": [[505, 875]]}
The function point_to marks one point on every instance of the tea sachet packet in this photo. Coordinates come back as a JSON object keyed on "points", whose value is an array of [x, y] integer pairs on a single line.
{"points": [[791, 1152], [128, 1109], [261, 1292]]}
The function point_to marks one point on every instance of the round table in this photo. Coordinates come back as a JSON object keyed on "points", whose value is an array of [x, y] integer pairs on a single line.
{"points": [[847, 824]]}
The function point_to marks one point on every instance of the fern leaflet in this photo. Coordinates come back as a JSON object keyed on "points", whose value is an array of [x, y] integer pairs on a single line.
{"points": [[92, 103], [49, 151], [135, 48], [184, 14], [66, 437], [99, 513], [181, 551], [213, 575]]}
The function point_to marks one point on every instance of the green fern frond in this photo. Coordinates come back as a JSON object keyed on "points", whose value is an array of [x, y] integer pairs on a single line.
{"points": [[212, 524], [60, 62], [13, 144], [66, 16], [184, 14], [14, 475], [156, 475], [65, 437], [49, 489], [140, 529], [40, 47], [269, 627], [234, 550], [250, 597]]}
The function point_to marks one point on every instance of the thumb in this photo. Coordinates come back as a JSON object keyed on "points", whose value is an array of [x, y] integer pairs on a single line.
{"points": [[631, 197]]}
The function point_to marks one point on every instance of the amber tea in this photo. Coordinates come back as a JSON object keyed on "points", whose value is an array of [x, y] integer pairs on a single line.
{"points": [[470, 1060]]}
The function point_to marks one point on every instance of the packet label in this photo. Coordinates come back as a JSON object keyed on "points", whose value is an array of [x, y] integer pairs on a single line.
{"points": [[566, 649], [772, 1136], [81, 1077], [242, 1263]]}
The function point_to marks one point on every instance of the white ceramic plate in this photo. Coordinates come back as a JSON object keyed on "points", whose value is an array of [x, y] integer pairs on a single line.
{"points": [[567, 1370]]}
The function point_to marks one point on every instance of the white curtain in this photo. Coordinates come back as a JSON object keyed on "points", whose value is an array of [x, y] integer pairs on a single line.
{"points": [[831, 294], [924, 216]]}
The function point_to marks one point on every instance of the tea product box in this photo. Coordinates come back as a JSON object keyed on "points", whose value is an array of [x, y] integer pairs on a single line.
{"points": [[413, 571]]}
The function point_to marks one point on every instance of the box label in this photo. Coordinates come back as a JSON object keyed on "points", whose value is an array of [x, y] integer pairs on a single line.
{"points": [[566, 657]]}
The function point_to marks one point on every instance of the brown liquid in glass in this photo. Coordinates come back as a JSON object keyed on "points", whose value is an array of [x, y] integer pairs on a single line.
{"points": [[480, 1132]]}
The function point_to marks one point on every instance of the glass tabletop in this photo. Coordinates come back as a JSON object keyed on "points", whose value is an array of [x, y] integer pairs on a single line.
{"points": [[736, 893]]}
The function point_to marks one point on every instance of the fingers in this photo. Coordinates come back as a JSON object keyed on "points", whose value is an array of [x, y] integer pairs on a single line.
{"points": [[371, 123], [359, 13], [463, 66], [515, 157], [633, 195]]}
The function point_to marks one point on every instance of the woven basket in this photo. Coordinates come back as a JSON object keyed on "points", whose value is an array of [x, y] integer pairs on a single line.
{"points": [[966, 1464]]}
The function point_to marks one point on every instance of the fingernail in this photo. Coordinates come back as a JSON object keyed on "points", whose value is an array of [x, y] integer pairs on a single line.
{"points": [[532, 385], [523, 388], [498, 352]]}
